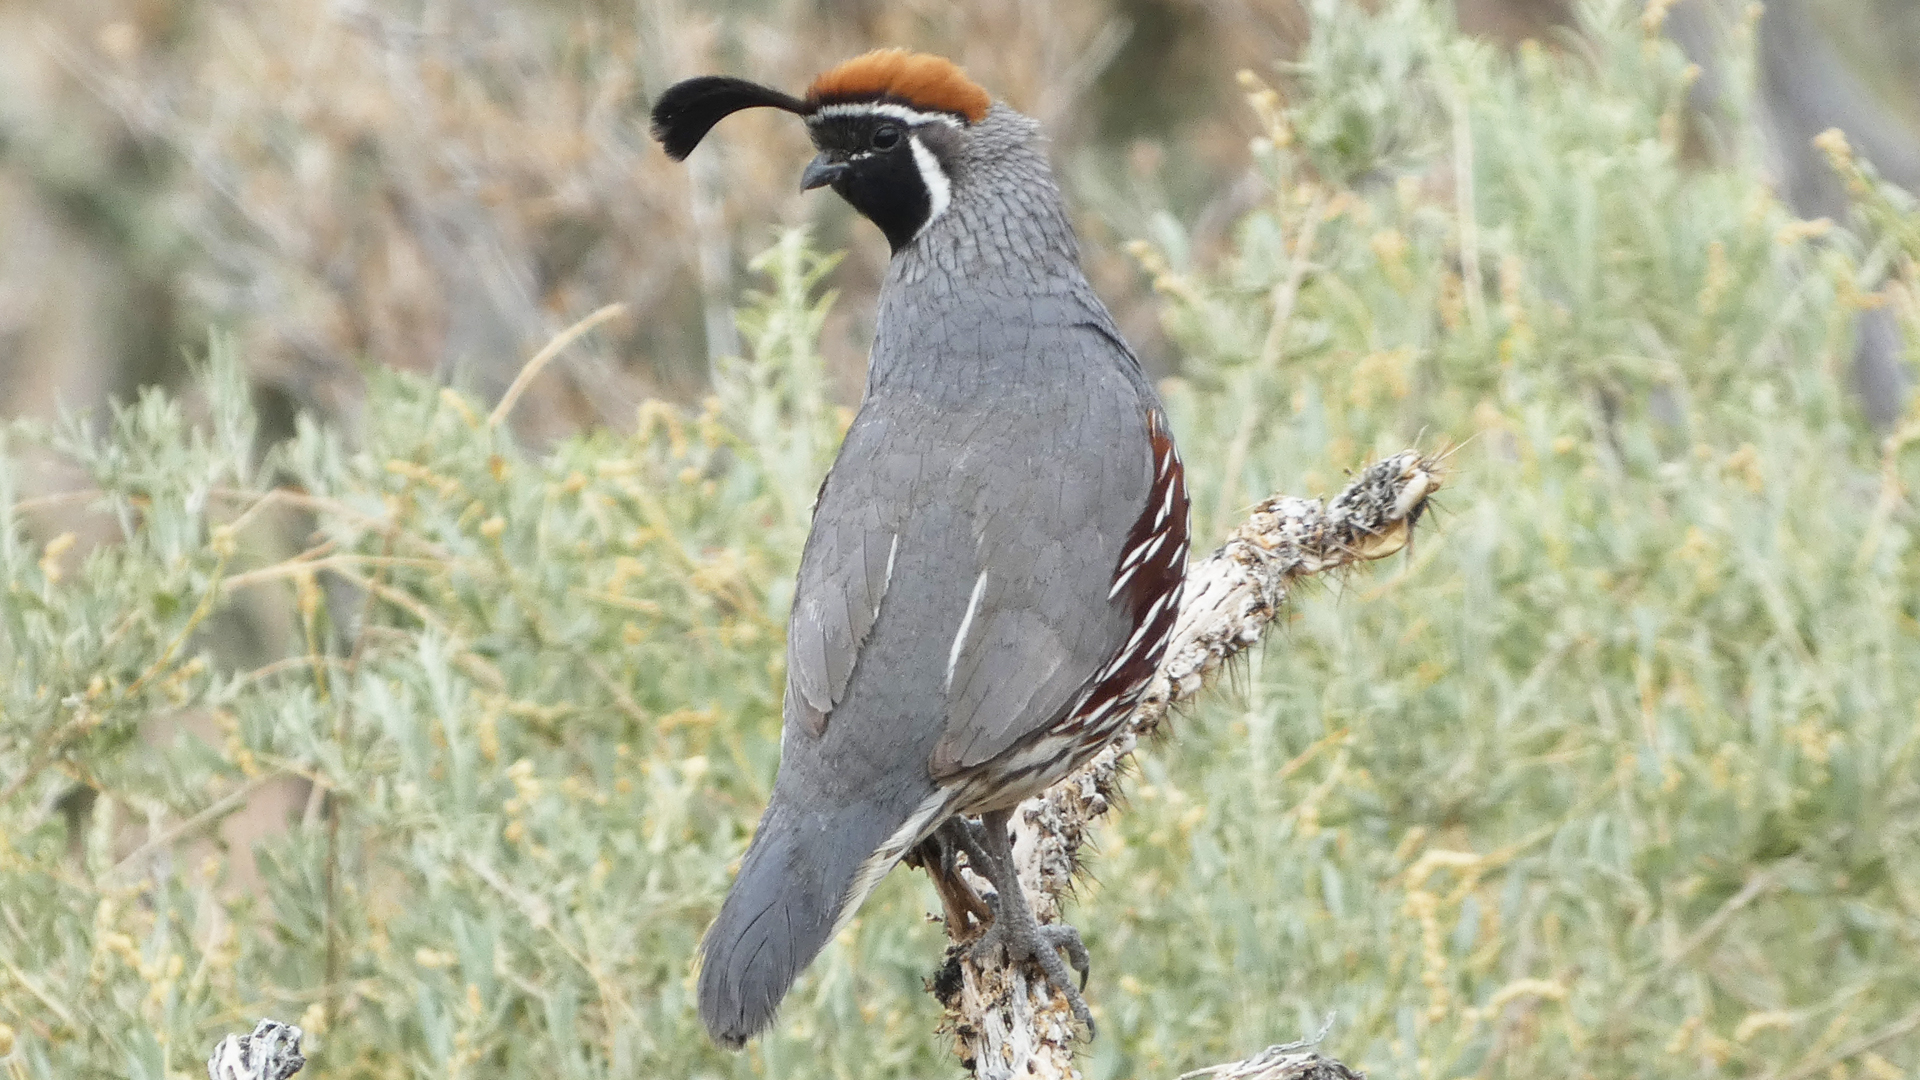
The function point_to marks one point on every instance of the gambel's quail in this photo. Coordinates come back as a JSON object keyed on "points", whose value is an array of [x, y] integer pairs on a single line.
{"points": [[996, 556]]}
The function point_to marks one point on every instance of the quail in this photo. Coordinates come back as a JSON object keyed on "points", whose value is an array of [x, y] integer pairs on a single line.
{"points": [[996, 555]]}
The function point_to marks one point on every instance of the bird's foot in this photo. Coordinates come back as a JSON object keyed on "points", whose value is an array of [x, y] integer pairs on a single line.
{"points": [[1025, 938], [1016, 930]]}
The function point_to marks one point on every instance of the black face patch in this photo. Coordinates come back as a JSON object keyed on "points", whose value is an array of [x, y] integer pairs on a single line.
{"points": [[882, 179]]}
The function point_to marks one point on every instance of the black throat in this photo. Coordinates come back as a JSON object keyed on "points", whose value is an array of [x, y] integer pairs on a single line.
{"points": [[882, 178], [889, 191]]}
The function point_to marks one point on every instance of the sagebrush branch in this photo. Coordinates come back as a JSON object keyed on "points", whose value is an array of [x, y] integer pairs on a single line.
{"points": [[1008, 1022]]}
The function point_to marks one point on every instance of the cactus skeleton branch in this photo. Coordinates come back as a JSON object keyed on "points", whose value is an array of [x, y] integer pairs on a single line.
{"points": [[1006, 1020], [271, 1052]]}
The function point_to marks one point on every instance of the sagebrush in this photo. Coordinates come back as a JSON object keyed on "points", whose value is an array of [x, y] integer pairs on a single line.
{"points": [[1613, 775]]}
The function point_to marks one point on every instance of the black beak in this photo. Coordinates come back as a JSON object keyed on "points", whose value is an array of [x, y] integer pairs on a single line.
{"points": [[821, 171]]}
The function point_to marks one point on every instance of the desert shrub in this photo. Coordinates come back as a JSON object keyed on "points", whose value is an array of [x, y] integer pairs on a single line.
{"points": [[1614, 774]]}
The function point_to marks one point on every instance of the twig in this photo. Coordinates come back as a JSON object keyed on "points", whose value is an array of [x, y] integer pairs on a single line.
{"points": [[1268, 1065], [1287, 1061], [1007, 1024], [1808, 1069], [1285, 294], [298, 565], [1760, 884], [1464, 208], [226, 803], [57, 499], [47, 747], [552, 349]]}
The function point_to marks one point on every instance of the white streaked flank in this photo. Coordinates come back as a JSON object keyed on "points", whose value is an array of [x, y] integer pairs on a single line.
{"points": [[1153, 544], [939, 191], [966, 623], [1145, 548], [892, 550], [1146, 624]]}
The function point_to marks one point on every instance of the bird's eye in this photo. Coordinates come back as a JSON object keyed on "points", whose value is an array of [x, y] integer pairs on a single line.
{"points": [[886, 137]]}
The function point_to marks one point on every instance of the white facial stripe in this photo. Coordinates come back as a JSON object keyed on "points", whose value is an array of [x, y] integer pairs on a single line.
{"points": [[939, 192], [888, 108]]}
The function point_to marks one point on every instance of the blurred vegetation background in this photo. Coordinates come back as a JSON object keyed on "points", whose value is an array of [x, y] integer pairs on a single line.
{"points": [[339, 698], [441, 185]]}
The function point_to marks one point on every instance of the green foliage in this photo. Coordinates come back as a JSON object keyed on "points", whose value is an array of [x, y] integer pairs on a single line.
{"points": [[1617, 776], [1613, 775]]}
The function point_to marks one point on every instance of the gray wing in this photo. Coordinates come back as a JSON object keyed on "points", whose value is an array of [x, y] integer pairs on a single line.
{"points": [[844, 574], [965, 550], [1044, 622]]}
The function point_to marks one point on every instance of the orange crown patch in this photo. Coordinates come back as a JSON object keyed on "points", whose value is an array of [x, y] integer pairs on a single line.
{"points": [[921, 80]]}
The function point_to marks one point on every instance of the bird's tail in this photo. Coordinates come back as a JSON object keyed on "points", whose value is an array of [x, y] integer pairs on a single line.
{"points": [[803, 876]]}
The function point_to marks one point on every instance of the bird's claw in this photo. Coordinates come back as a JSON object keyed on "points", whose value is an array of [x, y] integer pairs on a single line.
{"points": [[1064, 937], [1022, 937]]}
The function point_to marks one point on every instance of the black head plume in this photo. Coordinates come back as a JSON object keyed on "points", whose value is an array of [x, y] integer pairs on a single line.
{"points": [[689, 109]]}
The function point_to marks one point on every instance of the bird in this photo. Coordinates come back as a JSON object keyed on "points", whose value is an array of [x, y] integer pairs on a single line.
{"points": [[996, 555]]}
